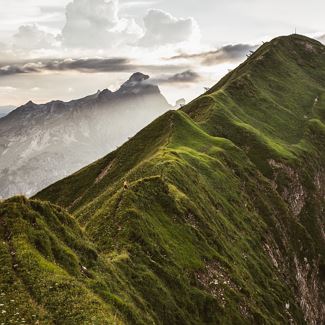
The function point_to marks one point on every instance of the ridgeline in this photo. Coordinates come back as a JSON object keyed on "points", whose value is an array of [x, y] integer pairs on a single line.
{"points": [[221, 221]]}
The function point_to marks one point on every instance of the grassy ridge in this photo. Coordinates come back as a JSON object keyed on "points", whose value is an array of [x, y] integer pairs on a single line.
{"points": [[44, 278], [221, 221]]}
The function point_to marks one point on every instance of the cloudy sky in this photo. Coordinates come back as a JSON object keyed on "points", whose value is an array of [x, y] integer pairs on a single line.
{"points": [[65, 49]]}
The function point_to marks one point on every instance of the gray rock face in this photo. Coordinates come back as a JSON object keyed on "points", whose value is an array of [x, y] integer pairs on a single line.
{"points": [[40, 144]]}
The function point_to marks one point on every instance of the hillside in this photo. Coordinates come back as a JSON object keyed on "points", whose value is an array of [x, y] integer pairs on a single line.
{"points": [[40, 144], [221, 220]]}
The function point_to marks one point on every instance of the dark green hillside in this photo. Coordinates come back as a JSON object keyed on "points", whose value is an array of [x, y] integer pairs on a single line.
{"points": [[43, 276], [222, 220]]}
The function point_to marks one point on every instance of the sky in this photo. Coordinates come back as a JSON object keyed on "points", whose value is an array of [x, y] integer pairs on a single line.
{"points": [[67, 49]]}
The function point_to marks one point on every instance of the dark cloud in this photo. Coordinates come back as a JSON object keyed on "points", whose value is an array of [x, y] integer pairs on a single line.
{"points": [[81, 65], [228, 53], [184, 77], [187, 76], [91, 65], [8, 70]]}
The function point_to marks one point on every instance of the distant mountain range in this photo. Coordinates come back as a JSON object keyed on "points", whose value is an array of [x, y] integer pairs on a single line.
{"points": [[5, 110], [40, 144]]}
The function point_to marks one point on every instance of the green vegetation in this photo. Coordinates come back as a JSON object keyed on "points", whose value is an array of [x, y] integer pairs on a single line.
{"points": [[221, 222]]}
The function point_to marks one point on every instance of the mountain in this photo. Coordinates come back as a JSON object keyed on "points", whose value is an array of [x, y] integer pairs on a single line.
{"points": [[5, 110], [40, 144], [213, 214]]}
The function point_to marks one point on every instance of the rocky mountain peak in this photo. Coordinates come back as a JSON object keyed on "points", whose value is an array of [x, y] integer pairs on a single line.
{"points": [[138, 77], [135, 80], [138, 83]]}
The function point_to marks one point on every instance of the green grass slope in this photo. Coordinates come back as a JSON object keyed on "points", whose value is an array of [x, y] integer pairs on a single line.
{"points": [[222, 221], [43, 254]]}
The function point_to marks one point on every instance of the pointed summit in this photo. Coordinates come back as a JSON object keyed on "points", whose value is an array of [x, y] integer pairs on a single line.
{"points": [[30, 103], [136, 79], [137, 84]]}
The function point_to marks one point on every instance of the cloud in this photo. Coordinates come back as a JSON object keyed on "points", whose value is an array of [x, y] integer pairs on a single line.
{"points": [[187, 76], [31, 37], [89, 65], [7, 90], [321, 39], [16, 69], [228, 53], [51, 9], [184, 77], [134, 4], [96, 24], [161, 28], [81, 65]]}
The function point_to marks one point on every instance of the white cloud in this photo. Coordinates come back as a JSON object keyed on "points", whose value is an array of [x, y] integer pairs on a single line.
{"points": [[7, 89], [161, 28], [96, 24], [322, 39], [93, 26], [135, 4], [32, 36]]}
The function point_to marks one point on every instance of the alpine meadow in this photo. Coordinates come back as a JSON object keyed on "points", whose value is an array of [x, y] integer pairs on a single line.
{"points": [[212, 214]]}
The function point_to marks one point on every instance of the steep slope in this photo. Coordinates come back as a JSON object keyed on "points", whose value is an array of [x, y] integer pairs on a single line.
{"points": [[44, 279], [40, 144], [222, 217]]}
